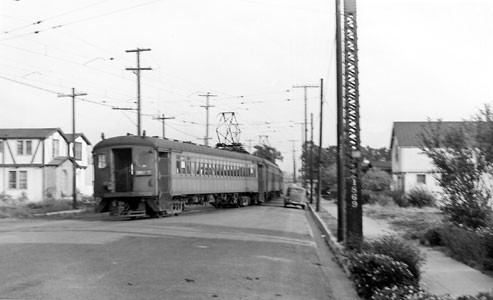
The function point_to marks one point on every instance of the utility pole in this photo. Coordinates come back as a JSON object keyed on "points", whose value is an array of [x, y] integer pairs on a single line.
{"points": [[263, 140], [341, 191], [294, 161], [352, 143], [249, 145], [319, 161], [206, 139], [310, 161], [305, 87], [74, 167], [162, 118], [137, 72]]}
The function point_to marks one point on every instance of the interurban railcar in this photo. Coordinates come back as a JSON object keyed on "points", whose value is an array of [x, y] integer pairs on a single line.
{"points": [[148, 176]]}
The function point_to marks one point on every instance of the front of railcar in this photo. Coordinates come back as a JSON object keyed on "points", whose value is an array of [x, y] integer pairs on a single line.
{"points": [[131, 176]]}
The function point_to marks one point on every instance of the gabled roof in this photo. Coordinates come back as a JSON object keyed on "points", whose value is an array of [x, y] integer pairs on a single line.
{"points": [[29, 133], [408, 134], [70, 137], [57, 161]]}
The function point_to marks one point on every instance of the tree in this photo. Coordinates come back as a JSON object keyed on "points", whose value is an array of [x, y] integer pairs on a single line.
{"points": [[461, 166], [267, 152]]}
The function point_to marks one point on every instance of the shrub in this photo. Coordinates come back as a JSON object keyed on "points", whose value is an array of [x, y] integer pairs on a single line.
{"points": [[405, 292], [468, 213], [480, 296], [432, 237], [420, 197], [372, 272], [464, 244], [372, 197], [400, 251], [400, 199]]}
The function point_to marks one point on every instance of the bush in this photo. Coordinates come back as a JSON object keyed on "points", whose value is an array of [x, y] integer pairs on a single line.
{"points": [[432, 237], [480, 296], [372, 197], [400, 251], [400, 199], [405, 292], [468, 213], [464, 244], [372, 272], [420, 197]]}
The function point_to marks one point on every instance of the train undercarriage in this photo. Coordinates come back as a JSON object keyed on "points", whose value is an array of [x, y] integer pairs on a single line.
{"points": [[137, 207]]}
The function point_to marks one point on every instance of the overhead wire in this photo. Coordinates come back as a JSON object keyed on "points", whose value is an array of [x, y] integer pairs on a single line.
{"points": [[81, 20]]}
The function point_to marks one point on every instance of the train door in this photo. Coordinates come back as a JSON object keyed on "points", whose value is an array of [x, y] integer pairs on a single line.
{"points": [[123, 169], [164, 177], [261, 183]]}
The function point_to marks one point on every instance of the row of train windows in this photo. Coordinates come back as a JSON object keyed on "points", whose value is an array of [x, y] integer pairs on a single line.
{"points": [[209, 167]]}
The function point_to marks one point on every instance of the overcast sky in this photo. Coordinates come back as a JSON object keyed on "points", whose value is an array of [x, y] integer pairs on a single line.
{"points": [[418, 59]]}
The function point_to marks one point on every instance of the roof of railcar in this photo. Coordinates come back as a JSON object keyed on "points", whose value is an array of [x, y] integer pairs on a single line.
{"points": [[165, 144]]}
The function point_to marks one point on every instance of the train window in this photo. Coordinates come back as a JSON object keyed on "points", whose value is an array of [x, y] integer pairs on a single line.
{"points": [[183, 169], [144, 159], [193, 167], [101, 161], [188, 166], [177, 164]]}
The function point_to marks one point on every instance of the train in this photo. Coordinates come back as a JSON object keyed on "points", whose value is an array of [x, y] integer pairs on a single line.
{"points": [[143, 176]]}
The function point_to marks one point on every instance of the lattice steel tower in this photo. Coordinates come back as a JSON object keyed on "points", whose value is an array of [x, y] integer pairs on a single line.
{"points": [[351, 128]]}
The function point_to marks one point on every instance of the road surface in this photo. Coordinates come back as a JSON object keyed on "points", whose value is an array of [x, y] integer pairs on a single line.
{"points": [[257, 252]]}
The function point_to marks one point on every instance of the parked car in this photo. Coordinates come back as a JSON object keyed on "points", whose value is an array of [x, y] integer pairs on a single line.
{"points": [[295, 195]]}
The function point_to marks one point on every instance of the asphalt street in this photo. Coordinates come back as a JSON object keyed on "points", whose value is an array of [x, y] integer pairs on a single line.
{"points": [[257, 252]]}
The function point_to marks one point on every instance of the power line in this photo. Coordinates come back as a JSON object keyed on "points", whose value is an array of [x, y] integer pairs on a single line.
{"points": [[81, 20]]}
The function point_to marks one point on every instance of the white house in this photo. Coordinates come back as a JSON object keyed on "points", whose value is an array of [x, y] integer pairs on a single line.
{"points": [[36, 163], [410, 166]]}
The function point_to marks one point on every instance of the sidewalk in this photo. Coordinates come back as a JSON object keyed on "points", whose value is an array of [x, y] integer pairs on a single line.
{"points": [[440, 273]]}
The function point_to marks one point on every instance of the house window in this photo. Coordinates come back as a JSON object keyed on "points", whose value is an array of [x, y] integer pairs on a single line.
{"points": [[24, 147], [22, 180], [421, 178], [18, 179], [12, 179], [56, 148], [20, 147], [78, 151], [29, 147]]}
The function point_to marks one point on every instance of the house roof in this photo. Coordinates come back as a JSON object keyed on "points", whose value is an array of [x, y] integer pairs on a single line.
{"points": [[408, 134], [28, 133], [70, 137], [57, 161]]}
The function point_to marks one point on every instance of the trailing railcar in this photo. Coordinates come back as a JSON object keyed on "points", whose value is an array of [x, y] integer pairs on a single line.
{"points": [[146, 176]]}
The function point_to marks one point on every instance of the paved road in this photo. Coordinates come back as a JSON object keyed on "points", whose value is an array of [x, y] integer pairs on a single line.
{"points": [[261, 252]]}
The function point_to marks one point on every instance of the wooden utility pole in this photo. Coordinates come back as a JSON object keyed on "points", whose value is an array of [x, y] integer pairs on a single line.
{"points": [[137, 72], [311, 158], [249, 145], [162, 118], [305, 138], [74, 166], [206, 139], [294, 161], [319, 161]]}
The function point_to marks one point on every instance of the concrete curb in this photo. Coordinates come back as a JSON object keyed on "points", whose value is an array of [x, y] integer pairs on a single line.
{"points": [[331, 240], [60, 213]]}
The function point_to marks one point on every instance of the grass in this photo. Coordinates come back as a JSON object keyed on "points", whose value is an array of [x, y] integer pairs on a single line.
{"points": [[21, 209], [409, 222]]}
